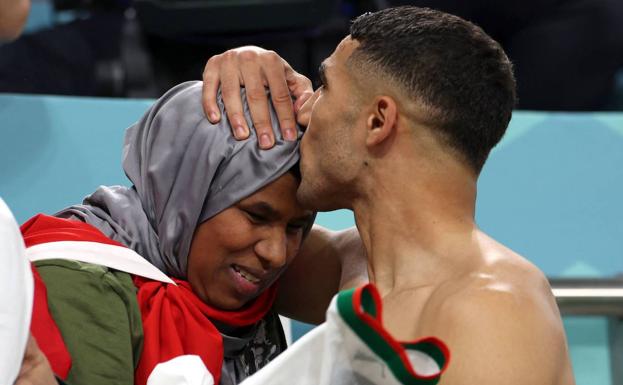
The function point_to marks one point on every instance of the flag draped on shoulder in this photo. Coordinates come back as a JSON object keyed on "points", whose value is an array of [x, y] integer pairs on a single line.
{"points": [[352, 346]]}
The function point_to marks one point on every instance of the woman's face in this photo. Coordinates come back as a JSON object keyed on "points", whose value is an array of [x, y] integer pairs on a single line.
{"points": [[241, 251]]}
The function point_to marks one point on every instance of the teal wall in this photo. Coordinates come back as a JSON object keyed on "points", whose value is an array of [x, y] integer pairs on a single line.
{"points": [[55, 150], [552, 190]]}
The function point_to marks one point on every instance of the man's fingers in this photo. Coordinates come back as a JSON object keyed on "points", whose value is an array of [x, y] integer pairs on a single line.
{"points": [[280, 95], [301, 100], [230, 89], [209, 90], [300, 87], [304, 114], [257, 101], [254, 68]]}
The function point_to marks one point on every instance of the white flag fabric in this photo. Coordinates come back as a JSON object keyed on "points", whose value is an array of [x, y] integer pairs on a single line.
{"points": [[16, 296], [352, 347], [181, 370]]}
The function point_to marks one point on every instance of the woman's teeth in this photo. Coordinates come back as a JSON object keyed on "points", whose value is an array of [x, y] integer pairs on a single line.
{"points": [[246, 275]]}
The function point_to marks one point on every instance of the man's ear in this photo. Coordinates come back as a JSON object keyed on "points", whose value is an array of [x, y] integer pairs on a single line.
{"points": [[382, 120]]}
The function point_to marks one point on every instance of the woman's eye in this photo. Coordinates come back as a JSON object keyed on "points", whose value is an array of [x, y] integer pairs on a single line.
{"points": [[294, 228], [255, 218]]}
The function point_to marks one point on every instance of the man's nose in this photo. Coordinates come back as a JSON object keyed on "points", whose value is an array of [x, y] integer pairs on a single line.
{"points": [[272, 249], [304, 114]]}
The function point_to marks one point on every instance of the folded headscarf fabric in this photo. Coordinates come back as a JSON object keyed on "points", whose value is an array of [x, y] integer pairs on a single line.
{"points": [[184, 170]]}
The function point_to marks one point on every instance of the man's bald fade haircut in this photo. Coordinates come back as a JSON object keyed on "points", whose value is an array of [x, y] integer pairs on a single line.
{"points": [[450, 66]]}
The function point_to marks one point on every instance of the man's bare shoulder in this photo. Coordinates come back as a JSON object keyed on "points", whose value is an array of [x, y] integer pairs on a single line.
{"points": [[502, 273], [501, 323], [498, 275]]}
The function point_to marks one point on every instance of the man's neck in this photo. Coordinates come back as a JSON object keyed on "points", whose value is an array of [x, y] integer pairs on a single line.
{"points": [[417, 224]]}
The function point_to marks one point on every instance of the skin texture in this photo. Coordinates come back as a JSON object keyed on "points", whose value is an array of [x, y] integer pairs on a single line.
{"points": [[261, 234], [13, 14], [335, 110], [35, 368], [414, 204], [328, 261]]}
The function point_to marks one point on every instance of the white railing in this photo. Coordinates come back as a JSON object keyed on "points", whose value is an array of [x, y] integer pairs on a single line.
{"points": [[589, 296], [596, 297]]}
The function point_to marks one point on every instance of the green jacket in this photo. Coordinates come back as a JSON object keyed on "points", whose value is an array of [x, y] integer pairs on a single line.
{"points": [[97, 313]]}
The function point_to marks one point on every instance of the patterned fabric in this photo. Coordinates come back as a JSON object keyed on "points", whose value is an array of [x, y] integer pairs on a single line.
{"points": [[245, 355]]}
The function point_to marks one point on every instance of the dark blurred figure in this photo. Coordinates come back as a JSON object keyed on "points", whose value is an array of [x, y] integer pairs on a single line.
{"points": [[565, 52], [65, 59], [143, 48]]}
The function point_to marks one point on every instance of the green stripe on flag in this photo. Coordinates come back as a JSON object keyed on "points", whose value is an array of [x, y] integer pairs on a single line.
{"points": [[377, 343]]}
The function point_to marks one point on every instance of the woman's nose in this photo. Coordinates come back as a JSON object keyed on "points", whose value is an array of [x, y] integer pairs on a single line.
{"points": [[272, 249]]}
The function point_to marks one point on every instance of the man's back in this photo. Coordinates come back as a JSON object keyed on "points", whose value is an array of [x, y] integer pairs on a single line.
{"points": [[498, 314]]}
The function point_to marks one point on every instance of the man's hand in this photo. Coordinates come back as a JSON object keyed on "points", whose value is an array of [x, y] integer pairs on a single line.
{"points": [[303, 114], [35, 368], [255, 68]]}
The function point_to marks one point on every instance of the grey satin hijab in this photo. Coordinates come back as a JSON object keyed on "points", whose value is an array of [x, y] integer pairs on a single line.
{"points": [[184, 170]]}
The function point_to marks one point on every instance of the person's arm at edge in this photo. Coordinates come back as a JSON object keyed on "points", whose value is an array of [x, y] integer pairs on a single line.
{"points": [[254, 68], [13, 15], [35, 368], [328, 261]]}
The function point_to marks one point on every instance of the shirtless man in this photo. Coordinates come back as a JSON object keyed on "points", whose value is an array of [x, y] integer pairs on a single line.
{"points": [[411, 104]]}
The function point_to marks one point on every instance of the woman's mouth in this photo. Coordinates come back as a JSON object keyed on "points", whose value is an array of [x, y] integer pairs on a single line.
{"points": [[246, 275]]}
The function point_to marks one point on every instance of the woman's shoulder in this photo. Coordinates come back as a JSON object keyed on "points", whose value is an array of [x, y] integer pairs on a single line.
{"points": [[61, 269], [87, 300], [52, 244], [44, 229], [58, 243]]}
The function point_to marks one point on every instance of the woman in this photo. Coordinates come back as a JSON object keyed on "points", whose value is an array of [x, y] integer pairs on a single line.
{"points": [[185, 262]]}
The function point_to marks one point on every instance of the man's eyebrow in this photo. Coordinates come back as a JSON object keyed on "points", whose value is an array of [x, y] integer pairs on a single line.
{"points": [[322, 73]]}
